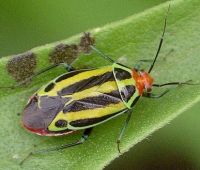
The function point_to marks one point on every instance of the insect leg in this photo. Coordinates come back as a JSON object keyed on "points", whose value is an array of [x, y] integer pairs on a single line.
{"points": [[155, 96], [84, 137], [102, 54], [123, 129], [68, 68]]}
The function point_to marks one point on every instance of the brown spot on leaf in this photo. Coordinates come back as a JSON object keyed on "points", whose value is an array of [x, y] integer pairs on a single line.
{"points": [[63, 53], [22, 66], [85, 42]]}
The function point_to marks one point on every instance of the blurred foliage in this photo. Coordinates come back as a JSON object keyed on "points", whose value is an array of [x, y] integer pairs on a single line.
{"points": [[26, 24]]}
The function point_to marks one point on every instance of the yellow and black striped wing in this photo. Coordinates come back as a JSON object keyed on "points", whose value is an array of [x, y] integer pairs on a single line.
{"points": [[84, 99]]}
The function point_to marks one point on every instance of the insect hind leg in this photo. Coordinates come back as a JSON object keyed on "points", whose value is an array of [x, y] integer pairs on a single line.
{"points": [[83, 138]]}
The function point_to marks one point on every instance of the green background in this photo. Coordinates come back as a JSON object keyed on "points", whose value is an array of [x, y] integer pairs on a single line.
{"points": [[26, 24]]}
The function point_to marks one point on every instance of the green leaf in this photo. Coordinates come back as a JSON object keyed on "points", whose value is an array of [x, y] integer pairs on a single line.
{"points": [[128, 40]]}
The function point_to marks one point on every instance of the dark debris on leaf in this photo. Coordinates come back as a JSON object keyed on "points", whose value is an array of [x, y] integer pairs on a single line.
{"points": [[63, 53], [22, 66], [85, 42]]}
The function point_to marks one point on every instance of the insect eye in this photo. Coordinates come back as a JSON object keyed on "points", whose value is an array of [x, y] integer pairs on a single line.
{"points": [[61, 123]]}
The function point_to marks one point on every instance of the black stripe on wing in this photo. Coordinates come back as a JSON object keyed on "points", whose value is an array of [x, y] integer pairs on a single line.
{"points": [[51, 85], [121, 74], [87, 83], [94, 102], [68, 75], [127, 92], [91, 121]]}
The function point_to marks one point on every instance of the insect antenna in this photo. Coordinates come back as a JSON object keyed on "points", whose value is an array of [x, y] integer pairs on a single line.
{"points": [[161, 41], [189, 82]]}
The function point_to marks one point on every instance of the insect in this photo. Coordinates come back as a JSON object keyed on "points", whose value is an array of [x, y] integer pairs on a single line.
{"points": [[83, 99]]}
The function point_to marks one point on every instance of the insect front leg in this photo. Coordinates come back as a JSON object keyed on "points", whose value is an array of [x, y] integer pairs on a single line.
{"points": [[83, 138], [155, 96], [123, 129]]}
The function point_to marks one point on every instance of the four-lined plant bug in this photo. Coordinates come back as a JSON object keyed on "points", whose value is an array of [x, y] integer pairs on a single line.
{"points": [[83, 99]]}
